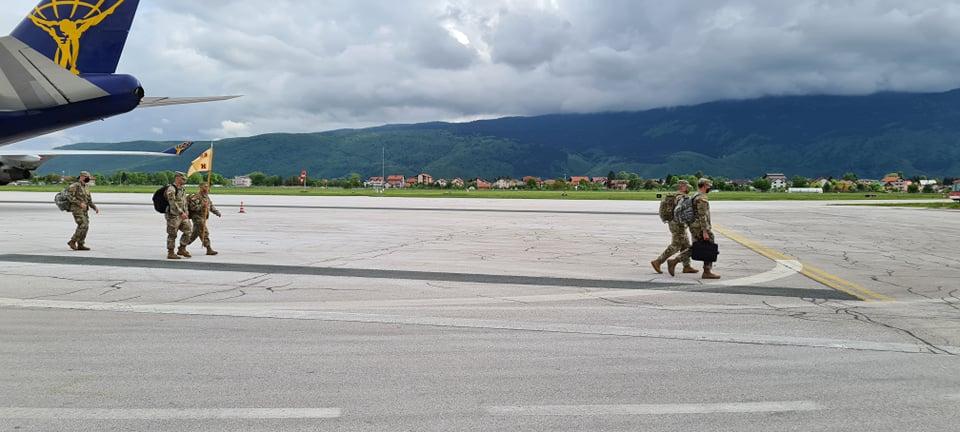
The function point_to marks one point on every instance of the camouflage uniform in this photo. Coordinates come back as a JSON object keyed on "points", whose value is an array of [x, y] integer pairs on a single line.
{"points": [[197, 204], [679, 242], [177, 198], [78, 194], [699, 225]]}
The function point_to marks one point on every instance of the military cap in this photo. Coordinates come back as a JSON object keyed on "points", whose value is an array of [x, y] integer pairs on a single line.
{"points": [[85, 174], [683, 183], [180, 174], [704, 182]]}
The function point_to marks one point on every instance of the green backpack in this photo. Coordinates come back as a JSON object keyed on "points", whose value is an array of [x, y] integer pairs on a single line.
{"points": [[667, 206], [61, 200]]}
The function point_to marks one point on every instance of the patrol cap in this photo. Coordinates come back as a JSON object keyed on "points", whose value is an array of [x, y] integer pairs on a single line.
{"points": [[683, 183], [704, 182], [85, 174], [180, 174]]}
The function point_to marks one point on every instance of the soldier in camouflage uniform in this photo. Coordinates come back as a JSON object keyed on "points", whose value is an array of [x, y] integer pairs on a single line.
{"points": [[80, 204], [177, 218], [200, 207], [701, 228], [678, 233]]}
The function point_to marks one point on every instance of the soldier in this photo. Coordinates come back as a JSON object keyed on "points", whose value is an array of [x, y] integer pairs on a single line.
{"points": [[80, 204], [701, 228], [200, 207], [177, 218], [678, 232]]}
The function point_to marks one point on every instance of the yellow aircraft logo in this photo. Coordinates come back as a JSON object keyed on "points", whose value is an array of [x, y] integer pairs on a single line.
{"points": [[67, 30]]}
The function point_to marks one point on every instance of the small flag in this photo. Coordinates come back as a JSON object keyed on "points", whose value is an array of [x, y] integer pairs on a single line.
{"points": [[202, 163]]}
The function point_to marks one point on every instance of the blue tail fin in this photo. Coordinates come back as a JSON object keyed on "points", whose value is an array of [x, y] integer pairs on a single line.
{"points": [[82, 36], [179, 149]]}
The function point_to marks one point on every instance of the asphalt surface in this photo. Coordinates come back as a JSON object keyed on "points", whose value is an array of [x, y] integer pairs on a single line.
{"points": [[343, 314]]}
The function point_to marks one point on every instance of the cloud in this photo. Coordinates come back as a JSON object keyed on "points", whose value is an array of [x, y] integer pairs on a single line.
{"points": [[229, 129], [311, 66]]}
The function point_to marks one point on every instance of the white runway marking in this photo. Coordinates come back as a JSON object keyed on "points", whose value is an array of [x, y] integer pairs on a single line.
{"points": [[784, 268], [168, 414], [667, 409], [260, 311]]}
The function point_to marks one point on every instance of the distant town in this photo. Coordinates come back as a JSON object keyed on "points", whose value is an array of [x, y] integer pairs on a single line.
{"points": [[623, 181]]}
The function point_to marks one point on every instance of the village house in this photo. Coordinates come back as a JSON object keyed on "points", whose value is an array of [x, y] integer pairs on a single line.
{"points": [[425, 179], [777, 180], [600, 180], [411, 182], [483, 184], [619, 185], [396, 181], [441, 183], [506, 183], [375, 182], [575, 180], [457, 183], [536, 180], [890, 178], [935, 185], [242, 181]]}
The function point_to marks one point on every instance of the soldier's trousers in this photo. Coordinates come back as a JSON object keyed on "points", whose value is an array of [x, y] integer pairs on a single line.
{"points": [[174, 224], [679, 242], [696, 233], [83, 226], [200, 231]]}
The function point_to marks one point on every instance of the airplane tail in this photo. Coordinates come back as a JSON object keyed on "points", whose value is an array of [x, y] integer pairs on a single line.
{"points": [[82, 36], [179, 148]]}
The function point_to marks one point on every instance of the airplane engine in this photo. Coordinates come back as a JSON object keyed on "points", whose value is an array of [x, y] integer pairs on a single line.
{"points": [[9, 174]]}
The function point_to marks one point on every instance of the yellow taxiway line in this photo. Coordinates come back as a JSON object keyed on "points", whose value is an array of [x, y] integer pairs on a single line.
{"points": [[818, 275]]}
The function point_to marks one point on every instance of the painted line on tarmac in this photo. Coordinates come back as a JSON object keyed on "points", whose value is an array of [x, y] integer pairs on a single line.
{"points": [[651, 410], [478, 278], [383, 209], [258, 311], [169, 414], [829, 280]]}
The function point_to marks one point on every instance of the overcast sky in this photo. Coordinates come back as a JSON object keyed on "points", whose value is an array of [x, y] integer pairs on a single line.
{"points": [[306, 65]]}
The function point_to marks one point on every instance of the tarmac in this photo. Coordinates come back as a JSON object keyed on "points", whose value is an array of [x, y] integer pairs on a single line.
{"points": [[375, 314]]}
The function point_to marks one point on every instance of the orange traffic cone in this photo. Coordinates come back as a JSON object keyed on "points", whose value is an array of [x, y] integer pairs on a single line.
{"points": [[242, 209]]}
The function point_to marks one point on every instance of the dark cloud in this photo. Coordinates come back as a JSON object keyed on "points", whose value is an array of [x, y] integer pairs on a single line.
{"points": [[307, 66]]}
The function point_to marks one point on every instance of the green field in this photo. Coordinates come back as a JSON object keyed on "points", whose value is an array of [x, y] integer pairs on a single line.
{"points": [[508, 194]]}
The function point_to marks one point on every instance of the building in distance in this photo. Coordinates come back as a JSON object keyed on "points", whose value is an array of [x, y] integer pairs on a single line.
{"points": [[777, 180], [242, 181]]}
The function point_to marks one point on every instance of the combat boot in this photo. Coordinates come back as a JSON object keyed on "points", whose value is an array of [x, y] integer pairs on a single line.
{"points": [[708, 274], [212, 252], [72, 244], [656, 265], [171, 255], [672, 266], [183, 252], [690, 270], [81, 247]]}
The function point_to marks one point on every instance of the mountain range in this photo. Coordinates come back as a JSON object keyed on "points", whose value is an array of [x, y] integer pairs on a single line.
{"points": [[916, 133]]}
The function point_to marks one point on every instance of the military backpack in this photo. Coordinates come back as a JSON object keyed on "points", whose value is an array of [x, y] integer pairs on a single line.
{"points": [[160, 203], [685, 212], [61, 200], [667, 206]]}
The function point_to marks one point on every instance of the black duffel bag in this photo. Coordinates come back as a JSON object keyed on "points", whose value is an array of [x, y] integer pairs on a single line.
{"points": [[705, 251]]}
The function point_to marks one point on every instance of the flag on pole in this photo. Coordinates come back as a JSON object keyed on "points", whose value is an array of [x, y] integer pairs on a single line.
{"points": [[202, 164]]}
